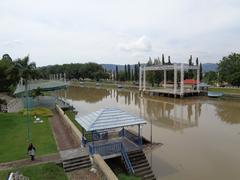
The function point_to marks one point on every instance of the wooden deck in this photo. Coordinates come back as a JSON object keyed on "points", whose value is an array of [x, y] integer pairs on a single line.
{"points": [[170, 92]]}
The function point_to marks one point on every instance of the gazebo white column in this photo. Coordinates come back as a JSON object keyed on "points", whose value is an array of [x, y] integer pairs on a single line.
{"points": [[182, 80], [175, 79], [144, 78], [140, 78], [165, 78], [198, 78]]}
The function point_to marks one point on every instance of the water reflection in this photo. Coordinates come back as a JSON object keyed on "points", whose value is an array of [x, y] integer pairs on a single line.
{"points": [[173, 114], [164, 112], [228, 111], [87, 94]]}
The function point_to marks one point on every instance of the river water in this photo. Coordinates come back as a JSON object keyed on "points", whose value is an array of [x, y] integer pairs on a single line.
{"points": [[200, 136]]}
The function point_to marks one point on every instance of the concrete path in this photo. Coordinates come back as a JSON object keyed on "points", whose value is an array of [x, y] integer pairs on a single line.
{"points": [[27, 162], [62, 134]]}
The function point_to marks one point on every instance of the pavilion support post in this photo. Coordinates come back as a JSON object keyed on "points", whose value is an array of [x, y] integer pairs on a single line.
{"points": [[198, 78], [182, 81], [144, 79], [140, 78], [164, 78], [175, 80], [139, 135]]}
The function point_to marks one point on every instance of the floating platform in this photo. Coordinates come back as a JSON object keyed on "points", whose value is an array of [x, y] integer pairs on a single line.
{"points": [[171, 92]]}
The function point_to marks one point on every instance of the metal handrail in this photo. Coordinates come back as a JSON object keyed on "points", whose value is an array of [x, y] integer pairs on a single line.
{"points": [[126, 160]]}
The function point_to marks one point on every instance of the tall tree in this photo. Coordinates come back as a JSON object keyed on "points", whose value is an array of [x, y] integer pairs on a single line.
{"points": [[117, 78], [129, 72], [163, 61], [190, 72], [197, 61], [229, 69], [201, 72], [150, 74], [125, 72]]}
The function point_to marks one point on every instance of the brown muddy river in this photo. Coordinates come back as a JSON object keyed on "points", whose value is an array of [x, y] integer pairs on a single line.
{"points": [[200, 136]]}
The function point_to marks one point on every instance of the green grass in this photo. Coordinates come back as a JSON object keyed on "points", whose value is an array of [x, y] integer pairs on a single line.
{"points": [[14, 139], [47, 171], [225, 90], [40, 111], [122, 176], [71, 116]]}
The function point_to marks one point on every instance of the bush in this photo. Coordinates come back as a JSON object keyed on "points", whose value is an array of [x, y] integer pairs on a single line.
{"points": [[41, 111]]}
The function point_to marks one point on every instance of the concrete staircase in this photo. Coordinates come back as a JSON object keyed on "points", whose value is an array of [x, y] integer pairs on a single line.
{"points": [[76, 163], [73, 159], [140, 165]]}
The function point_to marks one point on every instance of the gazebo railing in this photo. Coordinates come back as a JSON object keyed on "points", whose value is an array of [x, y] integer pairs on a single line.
{"points": [[105, 149], [131, 136]]}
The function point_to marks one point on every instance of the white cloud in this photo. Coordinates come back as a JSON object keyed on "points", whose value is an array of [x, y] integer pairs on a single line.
{"points": [[12, 42], [143, 44], [64, 31]]}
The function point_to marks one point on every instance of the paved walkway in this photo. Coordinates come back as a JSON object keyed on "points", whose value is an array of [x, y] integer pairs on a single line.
{"points": [[64, 138], [27, 162]]}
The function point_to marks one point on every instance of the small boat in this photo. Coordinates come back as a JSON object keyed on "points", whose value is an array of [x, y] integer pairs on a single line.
{"points": [[119, 86], [81, 83], [215, 94], [98, 84]]}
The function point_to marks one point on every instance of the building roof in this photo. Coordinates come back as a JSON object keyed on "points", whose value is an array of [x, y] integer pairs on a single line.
{"points": [[108, 118], [190, 81]]}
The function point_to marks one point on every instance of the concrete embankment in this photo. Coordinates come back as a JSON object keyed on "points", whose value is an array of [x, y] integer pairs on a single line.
{"points": [[69, 124]]}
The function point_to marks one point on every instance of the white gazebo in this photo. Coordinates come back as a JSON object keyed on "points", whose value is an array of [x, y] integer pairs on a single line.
{"points": [[175, 67]]}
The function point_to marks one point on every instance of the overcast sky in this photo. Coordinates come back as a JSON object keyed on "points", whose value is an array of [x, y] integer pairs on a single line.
{"points": [[123, 31]]}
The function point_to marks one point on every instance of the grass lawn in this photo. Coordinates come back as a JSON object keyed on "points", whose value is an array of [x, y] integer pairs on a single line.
{"points": [[71, 116], [122, 176], [47, 171], [225, 90], [14, 139]]}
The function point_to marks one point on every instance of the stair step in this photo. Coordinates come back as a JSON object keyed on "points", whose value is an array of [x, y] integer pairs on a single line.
{"points": [[76, 159], [136, 155], [149, 177], [86, 158], [137, 158], [77, 167], [142, 169], [140, 161], [144, 172], [135, 152], [76, 164], [140, 165]]}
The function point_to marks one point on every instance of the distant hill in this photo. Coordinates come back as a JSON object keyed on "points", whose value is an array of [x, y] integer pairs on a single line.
{"points": [[206, 67], [209, 67]]}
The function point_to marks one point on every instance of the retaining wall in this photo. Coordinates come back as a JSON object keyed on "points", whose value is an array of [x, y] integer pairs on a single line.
{"points": [[104, 171], [69, 124]]}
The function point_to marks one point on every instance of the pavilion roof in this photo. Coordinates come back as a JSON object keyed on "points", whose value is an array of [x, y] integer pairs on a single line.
{"points": [[108, 118]]}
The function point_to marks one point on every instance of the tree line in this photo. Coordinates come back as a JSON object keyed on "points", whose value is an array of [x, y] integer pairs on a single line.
{"points": [[228, 71], [77, 71]]}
